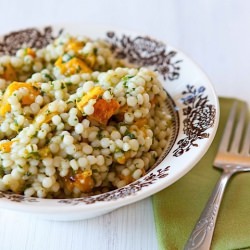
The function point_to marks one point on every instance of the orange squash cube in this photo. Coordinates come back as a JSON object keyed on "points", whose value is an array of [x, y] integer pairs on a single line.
{"points": [[104, 110]]}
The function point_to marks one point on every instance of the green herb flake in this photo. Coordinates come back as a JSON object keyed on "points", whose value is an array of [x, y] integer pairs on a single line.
{"points": [[63, 86], [68, 83], [28, 174], [35, 88], [95, 50], [118, 150], [78, 70], [34, 155], [127, 77], [49, 77], [69, 157], [2, 173], [130, 135], [15, 122], [99, 135]]}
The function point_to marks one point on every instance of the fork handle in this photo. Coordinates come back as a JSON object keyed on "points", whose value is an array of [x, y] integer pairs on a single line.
{"points": [[201, 236]]}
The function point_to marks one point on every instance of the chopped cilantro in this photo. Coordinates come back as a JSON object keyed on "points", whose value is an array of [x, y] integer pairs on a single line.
{"points": [[35, 135], [99, 135], [2, 171], [63, 86], [129, 134], [78, 70], [48, 77], [35, 88], [68, 83], [28, 174], [127, 77], [118, 150], [125, 80], [15, 122], [69, 157], [34, 154], [95, 51]]}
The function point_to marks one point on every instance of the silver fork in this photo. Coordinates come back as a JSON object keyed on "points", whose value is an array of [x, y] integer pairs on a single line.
{"points": [[232, 157]]}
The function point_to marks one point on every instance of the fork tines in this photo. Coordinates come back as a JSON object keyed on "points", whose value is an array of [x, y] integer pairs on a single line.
{"points": [[236, 138]]}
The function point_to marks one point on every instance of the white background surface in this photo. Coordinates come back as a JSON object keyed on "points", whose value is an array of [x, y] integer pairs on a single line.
{"points": [[214, 33]]}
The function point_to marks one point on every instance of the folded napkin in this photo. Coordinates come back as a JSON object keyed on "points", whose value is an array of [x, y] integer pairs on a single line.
{"points": [[178, 207]]}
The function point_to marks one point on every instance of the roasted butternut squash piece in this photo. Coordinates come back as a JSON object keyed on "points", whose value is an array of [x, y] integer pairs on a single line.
{"points": [[93, 94], [90, 60], [74, 45], [33, 92], [73, 66], [5, 146], [141, 122], [128, 179], [122, 159], [9, 73], [104, 110], [45, 152], [81, 180], [31, 52]]}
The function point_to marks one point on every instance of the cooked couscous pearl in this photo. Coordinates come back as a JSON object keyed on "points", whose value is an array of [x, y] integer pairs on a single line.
{"points": [[79, 128], [54, 148], [131, 101], [7, 163], [56, 119], [16, 62], [134, 144], [40, 118], [71, 149], [29, 192], [128, 117], [100, 160], [107, 95], [41, 193], [105, 142], [126, 147], [41, 134], [15, 174], [47, 162], [74, 164], [115, 135], [88, 109], [88, 86], [35, 108], [83, 162], [91, 159], [121, 184], [68, 139], [137, 174], [87, 149], [50, 171], [75, 79]]}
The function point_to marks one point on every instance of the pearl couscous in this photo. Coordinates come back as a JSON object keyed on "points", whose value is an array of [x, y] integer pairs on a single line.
{"points": [[76, 121]]}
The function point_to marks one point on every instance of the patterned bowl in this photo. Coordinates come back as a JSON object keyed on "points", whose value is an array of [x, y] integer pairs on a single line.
{"points": [[192, 102]]}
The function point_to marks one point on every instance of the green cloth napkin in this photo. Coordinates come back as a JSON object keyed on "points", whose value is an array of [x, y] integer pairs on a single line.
{"points": [[178, 207]]}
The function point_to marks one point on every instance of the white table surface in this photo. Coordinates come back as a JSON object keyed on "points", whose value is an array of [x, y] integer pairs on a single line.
{"points": [[214, 33]]}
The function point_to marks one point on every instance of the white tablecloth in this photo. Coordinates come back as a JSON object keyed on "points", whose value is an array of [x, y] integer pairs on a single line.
{"points": [[214, 33]]}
